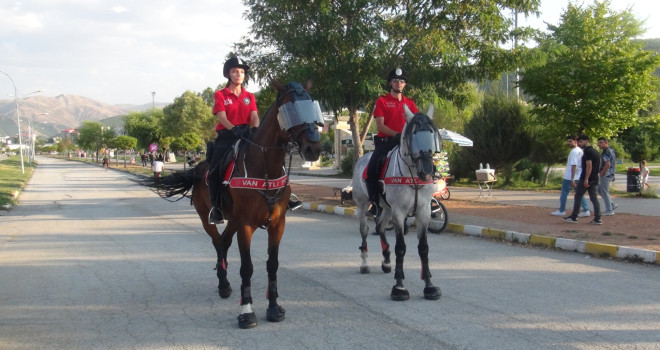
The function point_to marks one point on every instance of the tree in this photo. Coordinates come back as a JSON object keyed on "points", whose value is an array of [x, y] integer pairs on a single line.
{"points": [[188, 113], [185, 143], [124, 143], [594, 78], [208, 96], [642, 142], [144, 126], [349, 46], [94, 135], [498, 130], [65, 145]]}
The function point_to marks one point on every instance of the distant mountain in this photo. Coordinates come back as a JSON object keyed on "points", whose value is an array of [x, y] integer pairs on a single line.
{"points": [[63, 112], [140, 108]]}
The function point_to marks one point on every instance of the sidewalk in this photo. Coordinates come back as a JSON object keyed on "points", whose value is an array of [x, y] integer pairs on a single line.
{"points": [[631, 234], [550, 199]]}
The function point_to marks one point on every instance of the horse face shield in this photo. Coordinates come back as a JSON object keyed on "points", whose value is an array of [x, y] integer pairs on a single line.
{"points": [[423, 145], [302, 112]]}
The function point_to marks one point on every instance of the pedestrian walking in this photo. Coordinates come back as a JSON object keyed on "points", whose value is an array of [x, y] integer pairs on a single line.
{"points": [[106, 162], [645, 175], [606, 174], [571, 174], [158, 166], [588, 181]]}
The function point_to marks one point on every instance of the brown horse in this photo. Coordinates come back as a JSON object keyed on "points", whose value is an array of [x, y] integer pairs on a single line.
{"points": [[293, 118]]}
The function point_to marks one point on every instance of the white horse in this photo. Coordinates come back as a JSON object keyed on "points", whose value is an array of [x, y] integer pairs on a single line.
{"points": [[407, 191]]}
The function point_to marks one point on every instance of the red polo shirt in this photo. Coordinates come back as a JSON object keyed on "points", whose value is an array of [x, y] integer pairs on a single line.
{"points": [[238, 108], [391, 109]]}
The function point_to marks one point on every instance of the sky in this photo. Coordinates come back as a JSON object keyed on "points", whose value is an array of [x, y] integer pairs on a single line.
{"points": [[119, 52]]}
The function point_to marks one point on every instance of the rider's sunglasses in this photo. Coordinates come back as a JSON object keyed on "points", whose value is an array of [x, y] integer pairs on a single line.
{"points": [[396, 81]]}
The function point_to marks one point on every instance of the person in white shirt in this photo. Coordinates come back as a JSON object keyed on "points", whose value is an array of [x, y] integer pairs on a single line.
{"points": [[158, 166], [571, 174], [645, 175]]}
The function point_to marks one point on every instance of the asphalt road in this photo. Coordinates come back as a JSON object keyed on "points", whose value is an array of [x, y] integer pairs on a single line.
{"points": [[89, 260]]}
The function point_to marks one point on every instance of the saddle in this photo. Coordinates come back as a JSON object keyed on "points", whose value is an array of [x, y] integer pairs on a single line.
{"points": [[394, 180], [382, 170], [226, 166]]}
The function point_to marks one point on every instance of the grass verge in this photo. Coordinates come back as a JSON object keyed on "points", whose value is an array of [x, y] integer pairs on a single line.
{"points": [[12, 181]]}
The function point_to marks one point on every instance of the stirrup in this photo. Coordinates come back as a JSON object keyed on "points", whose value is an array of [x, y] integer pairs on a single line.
{"points": [[435, 206], [216, 217], [374, 209], [294, 203]]}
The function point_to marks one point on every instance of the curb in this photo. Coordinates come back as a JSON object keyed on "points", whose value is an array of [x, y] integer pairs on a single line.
{"points": [[596, 249]]}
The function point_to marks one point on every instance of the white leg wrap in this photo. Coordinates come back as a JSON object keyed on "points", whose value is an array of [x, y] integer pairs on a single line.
{"points": [[364, 256], [246, 309]]}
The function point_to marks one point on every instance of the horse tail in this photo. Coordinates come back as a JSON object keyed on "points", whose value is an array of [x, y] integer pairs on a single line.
{"points": [[178, 183]]}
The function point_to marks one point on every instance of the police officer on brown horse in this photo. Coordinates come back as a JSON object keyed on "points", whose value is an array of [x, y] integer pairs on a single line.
{"points": [[237, 114], [236, 109]]}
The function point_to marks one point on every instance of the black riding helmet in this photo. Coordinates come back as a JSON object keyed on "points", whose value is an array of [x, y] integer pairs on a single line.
{"points": [[234, 62], [396, 73]]}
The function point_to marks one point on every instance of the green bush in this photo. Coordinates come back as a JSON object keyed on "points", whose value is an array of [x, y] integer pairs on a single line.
{"points": [[347, 163]]}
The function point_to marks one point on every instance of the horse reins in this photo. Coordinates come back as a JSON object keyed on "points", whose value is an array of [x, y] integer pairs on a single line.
{"points": [[271, 200]]}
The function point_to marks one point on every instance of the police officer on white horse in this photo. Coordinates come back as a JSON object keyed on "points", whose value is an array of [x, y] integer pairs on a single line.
{"points": [[390, 119]]}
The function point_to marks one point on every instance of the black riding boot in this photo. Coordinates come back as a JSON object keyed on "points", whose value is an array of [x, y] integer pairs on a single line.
{"points": [[374, 206], [294, 203], [215, 214]]}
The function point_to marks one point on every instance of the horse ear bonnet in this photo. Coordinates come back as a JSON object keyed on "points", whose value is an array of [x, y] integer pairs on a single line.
{"points": [[298, 92]]}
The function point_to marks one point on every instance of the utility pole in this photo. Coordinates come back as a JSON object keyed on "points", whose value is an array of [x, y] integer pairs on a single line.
{"points": [[18, 122], [153, 99]]}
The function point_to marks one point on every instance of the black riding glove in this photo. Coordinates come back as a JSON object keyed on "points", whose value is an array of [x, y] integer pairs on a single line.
{"points": [[396, 139], [238, 132]]}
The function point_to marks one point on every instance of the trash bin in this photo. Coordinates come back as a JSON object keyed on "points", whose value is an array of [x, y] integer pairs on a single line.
{"points": [[634, 180]]}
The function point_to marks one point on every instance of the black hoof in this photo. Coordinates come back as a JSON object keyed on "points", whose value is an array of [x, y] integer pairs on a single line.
{"points": [[432, 293], [275, 313], [399, 294], [225, 293], [364, 269], [247, 320], [386, 268]]}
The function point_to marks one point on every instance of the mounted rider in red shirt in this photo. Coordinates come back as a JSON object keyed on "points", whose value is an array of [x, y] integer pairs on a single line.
{"points": [[390, 119], [236, 109], [237, 114]]}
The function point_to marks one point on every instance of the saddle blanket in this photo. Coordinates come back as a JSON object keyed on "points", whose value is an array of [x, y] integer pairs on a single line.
{"points": [[404, 180], [396, 180], [252, 183], [258, 184]]}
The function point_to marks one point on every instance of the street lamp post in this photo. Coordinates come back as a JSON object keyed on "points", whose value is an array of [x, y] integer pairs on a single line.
{"points": [[153, 99], [18, 121], [32, 140], [30, 150]]}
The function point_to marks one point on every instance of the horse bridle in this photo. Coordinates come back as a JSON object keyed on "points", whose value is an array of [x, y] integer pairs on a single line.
{"points": [[271, 200], [409, 134]]}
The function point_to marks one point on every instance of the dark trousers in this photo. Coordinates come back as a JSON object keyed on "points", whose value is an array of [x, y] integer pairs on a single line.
{"points": [[579, 193], [382, 147], [222, 144]]}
